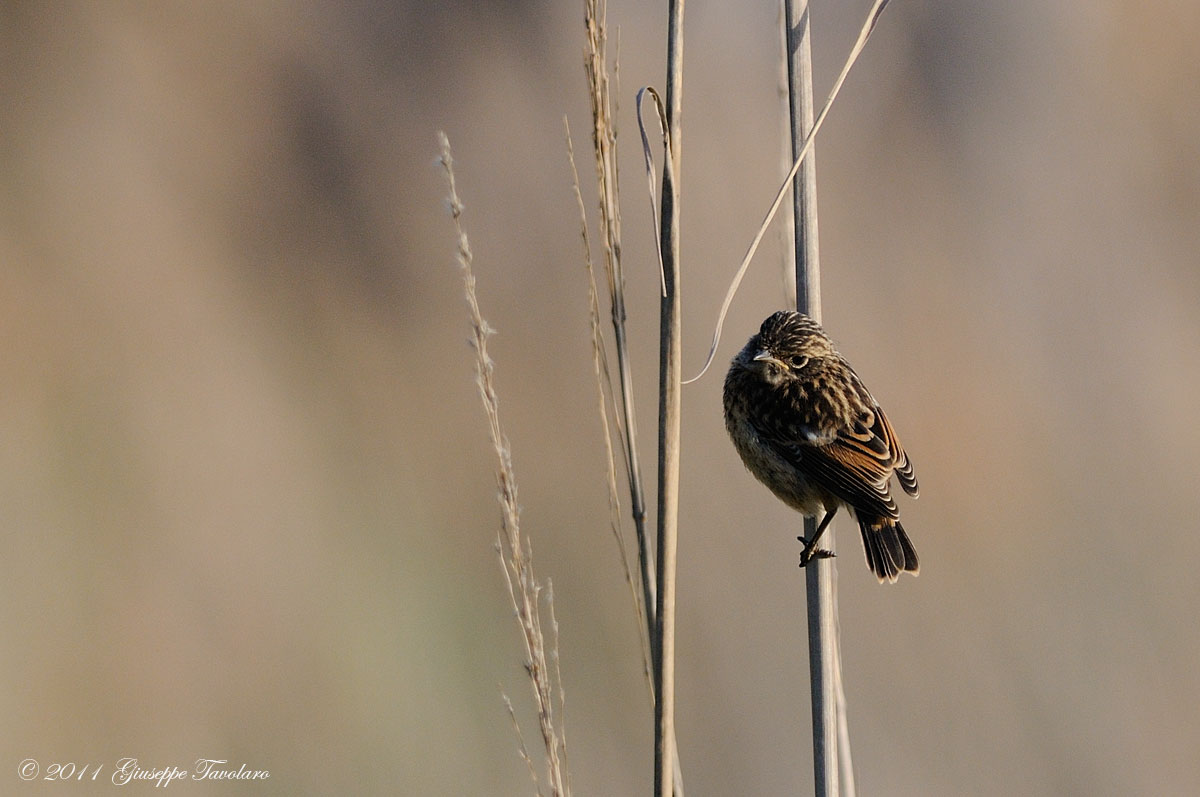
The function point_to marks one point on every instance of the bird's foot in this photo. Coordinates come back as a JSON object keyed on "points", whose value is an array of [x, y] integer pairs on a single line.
{"points": [[808, 555]]}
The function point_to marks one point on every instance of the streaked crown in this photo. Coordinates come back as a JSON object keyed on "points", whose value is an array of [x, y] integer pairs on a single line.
{"points": [[788, 332]]}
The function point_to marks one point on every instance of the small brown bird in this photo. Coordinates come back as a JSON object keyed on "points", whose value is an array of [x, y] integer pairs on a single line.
{"points": [[807, 427]]}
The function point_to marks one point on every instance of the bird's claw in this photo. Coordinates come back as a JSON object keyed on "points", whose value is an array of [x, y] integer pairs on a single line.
{"points": [[816, 553]]}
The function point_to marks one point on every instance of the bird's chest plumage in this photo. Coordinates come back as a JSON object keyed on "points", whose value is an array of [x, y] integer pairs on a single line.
{"points": [[757, 421]]}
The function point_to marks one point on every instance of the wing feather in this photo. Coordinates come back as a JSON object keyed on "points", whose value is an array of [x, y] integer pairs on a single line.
{"points": [[856, 464]]}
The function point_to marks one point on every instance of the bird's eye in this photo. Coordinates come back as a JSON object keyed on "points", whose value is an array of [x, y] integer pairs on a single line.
{"points": [[797, 361]]}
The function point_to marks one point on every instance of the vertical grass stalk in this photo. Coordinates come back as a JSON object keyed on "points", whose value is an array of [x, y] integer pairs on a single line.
{"points": [[670, 389], [822, 623]]}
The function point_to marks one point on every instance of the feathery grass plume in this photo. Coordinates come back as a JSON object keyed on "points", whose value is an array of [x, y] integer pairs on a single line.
{"points": [[604, 145], [514, 552]]}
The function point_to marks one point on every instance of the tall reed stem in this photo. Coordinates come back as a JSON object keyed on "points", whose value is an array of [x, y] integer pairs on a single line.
{"points": [[669, 390], [819, 575]]}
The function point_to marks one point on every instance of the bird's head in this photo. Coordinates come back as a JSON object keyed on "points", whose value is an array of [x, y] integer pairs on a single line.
{"points": [[788, 345]]}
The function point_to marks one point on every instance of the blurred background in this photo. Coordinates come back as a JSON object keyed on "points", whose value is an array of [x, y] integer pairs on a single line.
{"points": [[248, 503]]}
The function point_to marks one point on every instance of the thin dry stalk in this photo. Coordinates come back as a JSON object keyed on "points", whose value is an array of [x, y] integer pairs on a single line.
{"points": [[522, 748], [669, 414], [514, 552], [855, 51], [603, 397], [666, 442], [787, 226], [558, 679], [845, 759], [804, 186], [604, 145]]}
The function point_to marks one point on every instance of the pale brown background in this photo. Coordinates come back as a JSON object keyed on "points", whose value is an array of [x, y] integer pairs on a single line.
{"points": [[247, 503]]}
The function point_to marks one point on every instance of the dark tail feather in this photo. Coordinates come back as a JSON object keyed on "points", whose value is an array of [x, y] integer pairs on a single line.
{"points": [[889, 551]]}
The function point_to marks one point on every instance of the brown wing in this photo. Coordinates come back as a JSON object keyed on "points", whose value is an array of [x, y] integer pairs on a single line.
{"points": [[857, 463]]}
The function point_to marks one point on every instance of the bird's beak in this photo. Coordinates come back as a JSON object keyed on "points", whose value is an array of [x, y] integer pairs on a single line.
{"points": [[765, 356]]}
